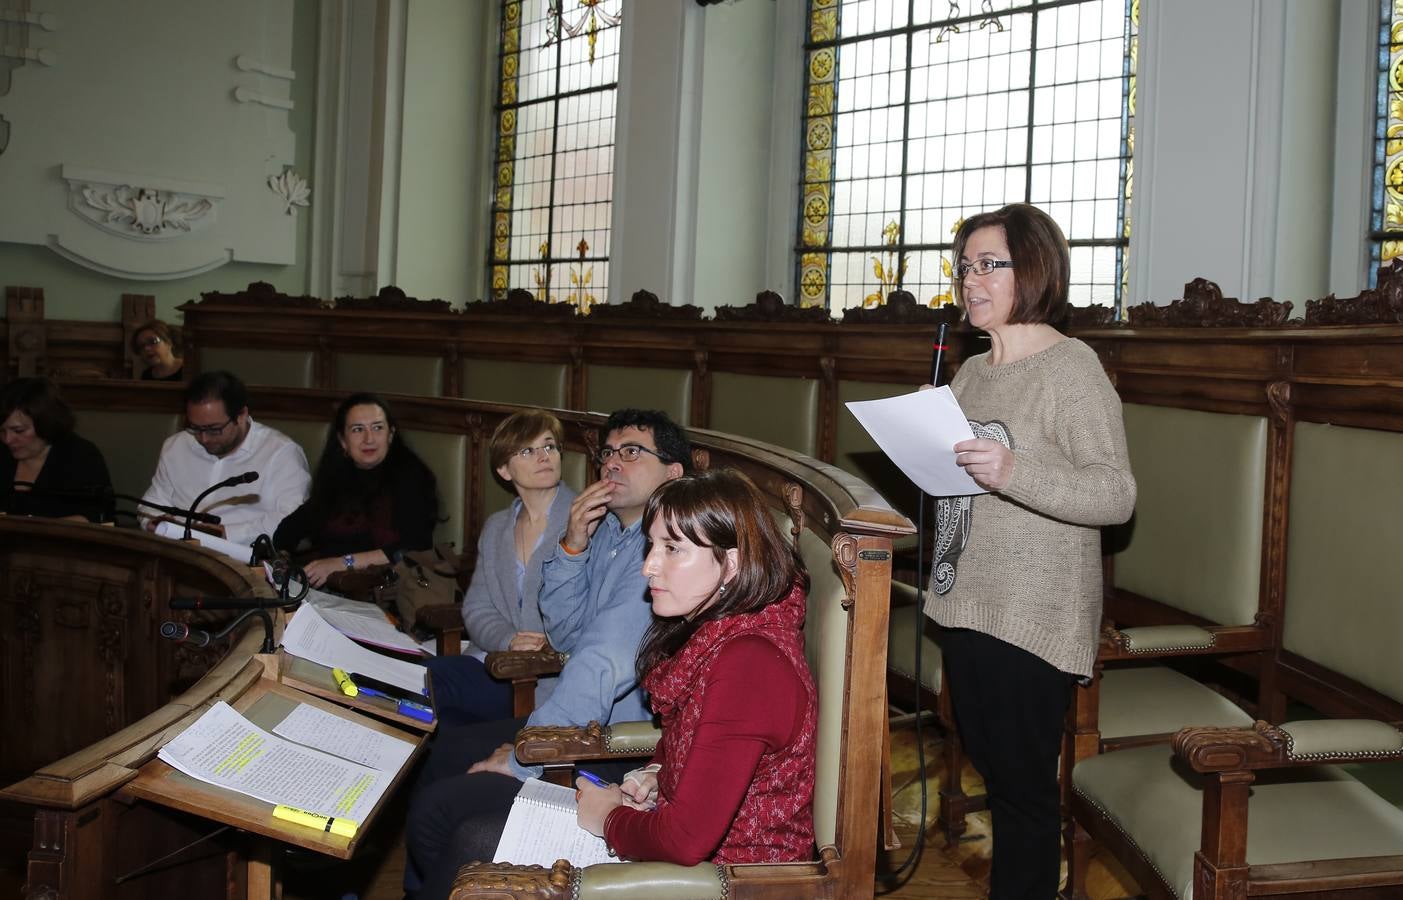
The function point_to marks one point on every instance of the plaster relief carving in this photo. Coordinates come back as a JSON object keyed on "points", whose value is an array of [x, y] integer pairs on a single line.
{"points": [[292, 188], [143, 213]]}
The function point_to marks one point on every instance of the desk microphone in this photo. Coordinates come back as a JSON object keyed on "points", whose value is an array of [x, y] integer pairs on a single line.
{"points": [[245, 478], [184, 634]]}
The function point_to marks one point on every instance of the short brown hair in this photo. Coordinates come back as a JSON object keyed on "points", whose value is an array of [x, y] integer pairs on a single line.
{"points": [[1042, 267], [156, 327], [38, 398], [518, 430]]}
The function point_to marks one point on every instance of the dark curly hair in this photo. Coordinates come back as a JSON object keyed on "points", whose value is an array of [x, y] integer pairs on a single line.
{"points": [[668, 437]]}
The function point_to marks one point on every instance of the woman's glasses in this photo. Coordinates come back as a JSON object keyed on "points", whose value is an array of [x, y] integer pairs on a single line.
{"points": [[545, 451], [981, 266]]}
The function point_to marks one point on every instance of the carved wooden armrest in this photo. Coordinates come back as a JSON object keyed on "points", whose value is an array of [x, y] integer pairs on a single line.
{"points": [[493, 881], [440, 617], [1306, 743], [548, 745], [506, 665]]}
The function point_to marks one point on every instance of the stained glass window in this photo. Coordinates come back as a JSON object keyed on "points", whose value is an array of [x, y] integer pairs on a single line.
{"points": [[558, 79], [1386, 229], [919, 113]]}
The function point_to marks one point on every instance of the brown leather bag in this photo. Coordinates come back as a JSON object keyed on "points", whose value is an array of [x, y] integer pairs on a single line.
{"points": [[420, 578]]}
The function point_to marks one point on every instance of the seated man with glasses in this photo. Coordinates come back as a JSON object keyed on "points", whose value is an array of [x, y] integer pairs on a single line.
{"points": [[221, 440], [594, 607]]}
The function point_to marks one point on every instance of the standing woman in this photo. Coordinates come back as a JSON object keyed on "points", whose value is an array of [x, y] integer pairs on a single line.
{"points": [[1018, 587], [500, 608], [153, 345], [372, 497], [732, 779], [48, 470]]}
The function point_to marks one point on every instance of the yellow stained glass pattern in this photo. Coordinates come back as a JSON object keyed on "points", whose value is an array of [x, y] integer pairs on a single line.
{"points": [[506, 151], [816, 219]]}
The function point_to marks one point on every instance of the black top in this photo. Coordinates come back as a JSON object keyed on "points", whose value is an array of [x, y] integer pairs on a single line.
{"points": [[73, 482], [177, 375], [394, 515]]}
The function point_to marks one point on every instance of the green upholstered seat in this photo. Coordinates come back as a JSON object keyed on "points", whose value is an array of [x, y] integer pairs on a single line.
{"points": [[1156, 699], [310, 436], [280, 368], [1343, 566], [506, 381], [1196, 539], [130, 443], [650, 881], [620, 387], [826, 647], [447, 456], [779, 410], [383, 373], [906, 616], [1318, 812]]}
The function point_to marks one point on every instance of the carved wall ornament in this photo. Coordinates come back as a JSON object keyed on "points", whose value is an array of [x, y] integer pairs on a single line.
{"points": [[1279, 400], [645, 305], [292, 188], [392, 298], [260, 294], [845, 553], [901, 308], [770, 307], [521, 302], [1093, 316], [1381, 305], [794, 505], [141, 212], [1203, 305]]}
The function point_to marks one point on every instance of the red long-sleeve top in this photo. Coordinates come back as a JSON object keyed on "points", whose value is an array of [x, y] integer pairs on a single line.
{"points": [[737, 754]]}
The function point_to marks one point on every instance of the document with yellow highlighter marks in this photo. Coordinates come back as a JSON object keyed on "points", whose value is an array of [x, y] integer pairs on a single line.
{"points": [[226, 749]]}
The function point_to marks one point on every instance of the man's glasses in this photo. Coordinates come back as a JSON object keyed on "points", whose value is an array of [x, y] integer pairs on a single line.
{"points": [[199, 431], [981, 266], [154, 341], [545, 451], [627, 453]]}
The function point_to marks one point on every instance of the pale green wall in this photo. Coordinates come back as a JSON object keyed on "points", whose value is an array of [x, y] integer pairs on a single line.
{"points": [[733, 188], [74, 292]]}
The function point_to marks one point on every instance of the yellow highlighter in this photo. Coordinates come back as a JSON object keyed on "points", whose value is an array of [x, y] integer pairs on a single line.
{"points": [[343, 681], [330, 824]]}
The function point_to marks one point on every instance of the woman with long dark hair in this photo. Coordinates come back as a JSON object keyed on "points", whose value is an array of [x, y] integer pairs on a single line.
{"points": [[732, 779], [48, 470], [372, 496]]}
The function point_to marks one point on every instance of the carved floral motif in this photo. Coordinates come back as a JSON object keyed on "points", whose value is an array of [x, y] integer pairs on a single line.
{"points": [[481, 881], [540, 744], [901, 308], [260, 294], [143, 212], [392, 298], [770, 307], [521, 302], [291, 188], [1382, 305], [1204, 305], [645, 305]]}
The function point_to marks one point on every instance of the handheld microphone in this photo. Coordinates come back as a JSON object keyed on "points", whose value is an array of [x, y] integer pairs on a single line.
{"points": [[245, 478], [937, 356], [184, 634]]}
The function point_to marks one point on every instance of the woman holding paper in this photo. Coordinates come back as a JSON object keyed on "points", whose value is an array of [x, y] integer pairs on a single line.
{"points": [[732, 779], [372, 497], [1018, 587]]}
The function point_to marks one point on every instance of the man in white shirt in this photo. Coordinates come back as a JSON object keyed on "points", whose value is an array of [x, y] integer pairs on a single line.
{"points": [[221, 440]]}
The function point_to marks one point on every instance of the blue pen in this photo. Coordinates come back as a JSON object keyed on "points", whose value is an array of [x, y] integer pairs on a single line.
{"points": [[593, 778], [404, 707]]}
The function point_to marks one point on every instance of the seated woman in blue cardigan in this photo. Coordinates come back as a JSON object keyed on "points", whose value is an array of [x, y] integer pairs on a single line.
{"points": [[500, 609]]}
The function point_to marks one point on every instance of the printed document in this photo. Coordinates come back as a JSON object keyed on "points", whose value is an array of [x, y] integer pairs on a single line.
{"points": [[239, 553], [309, 636], [356, 619], [228, 750], [542, 827], [919, 432]]}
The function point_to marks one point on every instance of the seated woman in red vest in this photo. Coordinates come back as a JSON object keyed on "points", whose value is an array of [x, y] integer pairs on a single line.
{"points": [[732, 779]]}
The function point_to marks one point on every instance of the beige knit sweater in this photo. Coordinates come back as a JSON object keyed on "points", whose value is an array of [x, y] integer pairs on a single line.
{"points": [[1024, 564]]}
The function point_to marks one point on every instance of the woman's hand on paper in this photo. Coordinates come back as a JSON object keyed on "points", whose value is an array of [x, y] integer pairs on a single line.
{"points": [[640, 787], [318, 570], [499, 762], [595, 804], [988, 462], [528, 640]]}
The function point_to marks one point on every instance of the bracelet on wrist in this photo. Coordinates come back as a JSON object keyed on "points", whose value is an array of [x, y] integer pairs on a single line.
{"points": [[350, 560]]}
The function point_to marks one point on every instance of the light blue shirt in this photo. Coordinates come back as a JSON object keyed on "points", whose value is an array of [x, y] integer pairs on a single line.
{"points": [[595, 609]]}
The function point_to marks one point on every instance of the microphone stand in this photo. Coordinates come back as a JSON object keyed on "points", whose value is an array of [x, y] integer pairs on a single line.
{"points": [[173, 630], [207, 518], [189, 514]]}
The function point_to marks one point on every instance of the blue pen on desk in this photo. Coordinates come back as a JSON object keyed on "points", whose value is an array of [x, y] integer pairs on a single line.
{"points": [[403, 707], [593, 779]]}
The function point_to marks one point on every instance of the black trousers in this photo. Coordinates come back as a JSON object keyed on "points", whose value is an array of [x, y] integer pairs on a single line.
{"points": [[1009, 708], [456, 818]]}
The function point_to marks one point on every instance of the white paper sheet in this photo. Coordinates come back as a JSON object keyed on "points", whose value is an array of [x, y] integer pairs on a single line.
{"points": [[319, 728], [239, 553], [309, 636], [543, 827], [918, 432], [224, 748], [356, 619]]}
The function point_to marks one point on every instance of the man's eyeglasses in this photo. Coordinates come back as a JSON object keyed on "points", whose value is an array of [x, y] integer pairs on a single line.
{"points": [[154, 340], [627, 453], [545, 451], [199, 431], [981, 266]]}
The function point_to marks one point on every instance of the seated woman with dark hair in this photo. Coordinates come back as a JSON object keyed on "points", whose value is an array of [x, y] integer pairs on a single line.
{"points": [[153, 345], [49, 471], [372, 496], [500, 608], [732, 779]]}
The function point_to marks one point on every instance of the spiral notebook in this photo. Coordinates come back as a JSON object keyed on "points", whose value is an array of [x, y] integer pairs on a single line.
{"points": [[542, 828]]}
